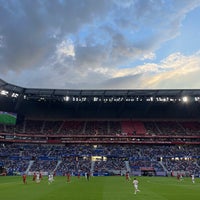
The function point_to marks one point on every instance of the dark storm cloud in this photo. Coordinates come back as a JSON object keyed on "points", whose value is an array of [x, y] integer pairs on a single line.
{"points": [[31, 29]]}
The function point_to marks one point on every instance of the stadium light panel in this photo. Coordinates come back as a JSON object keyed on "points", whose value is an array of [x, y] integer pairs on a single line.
{"points": [[185, 99], [15, 95], [196, 98], [95, 99], [66, 98], [4, 92]]}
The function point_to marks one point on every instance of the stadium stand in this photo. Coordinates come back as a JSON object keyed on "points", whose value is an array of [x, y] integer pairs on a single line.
{"points": [[106, 132]]}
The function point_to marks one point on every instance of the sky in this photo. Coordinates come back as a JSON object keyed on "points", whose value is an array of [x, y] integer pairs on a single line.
{"points": [[100, 44]]}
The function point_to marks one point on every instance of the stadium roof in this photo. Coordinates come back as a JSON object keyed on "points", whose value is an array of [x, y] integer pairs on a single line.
{"points": [[51, 93], [68, 103]]}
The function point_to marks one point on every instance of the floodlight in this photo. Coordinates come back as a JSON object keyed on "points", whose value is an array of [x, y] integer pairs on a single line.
{"points": [[185, 99], [4, 92]]}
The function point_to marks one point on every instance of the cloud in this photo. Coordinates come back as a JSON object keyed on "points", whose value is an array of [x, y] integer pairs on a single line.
{"points": [[85, 43], [33, 29], [175, 71]]}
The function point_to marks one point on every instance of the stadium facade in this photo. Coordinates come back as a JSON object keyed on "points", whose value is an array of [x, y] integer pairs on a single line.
{"points": [[100, 104], [133, 122]]}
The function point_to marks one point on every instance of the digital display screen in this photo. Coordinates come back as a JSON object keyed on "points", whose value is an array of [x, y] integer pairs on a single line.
{"points": [[8, 118]]}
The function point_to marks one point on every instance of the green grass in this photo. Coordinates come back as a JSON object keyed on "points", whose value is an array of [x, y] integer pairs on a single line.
{"points": [[99, 188]]}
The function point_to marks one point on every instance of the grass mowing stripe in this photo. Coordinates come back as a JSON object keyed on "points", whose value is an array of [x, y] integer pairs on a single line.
{"points": [[99, 188]]}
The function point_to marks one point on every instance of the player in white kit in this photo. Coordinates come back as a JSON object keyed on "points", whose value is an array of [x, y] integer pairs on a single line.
{"points": [[135, 184], [37, 177], [50, 178], [192, 176]]}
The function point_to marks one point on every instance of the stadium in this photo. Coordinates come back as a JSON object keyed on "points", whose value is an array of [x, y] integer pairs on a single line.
{"points": [[150, 133], [99, 100]]}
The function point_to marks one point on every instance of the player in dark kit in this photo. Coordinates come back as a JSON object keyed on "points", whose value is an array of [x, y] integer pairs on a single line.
{"points": [[88, 176], [34, 176], [68, 177], [128, 176], [78, 175], [24, 178]]}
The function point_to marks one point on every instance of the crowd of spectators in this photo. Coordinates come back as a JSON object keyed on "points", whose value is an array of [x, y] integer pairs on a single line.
{"points": [[181, 164], [74, 165], [111, 165], [87, 127], [19, 158], [45, 165]]}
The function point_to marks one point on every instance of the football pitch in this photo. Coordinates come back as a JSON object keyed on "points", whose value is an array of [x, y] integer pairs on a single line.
{"points": [[99, 188]]}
